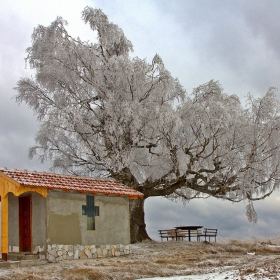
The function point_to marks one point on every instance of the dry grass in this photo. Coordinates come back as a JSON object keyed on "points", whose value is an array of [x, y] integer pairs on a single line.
{"points": [[31, 277], [155, 259], [84, 273]]}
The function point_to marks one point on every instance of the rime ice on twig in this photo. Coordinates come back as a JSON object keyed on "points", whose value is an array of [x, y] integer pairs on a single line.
{"points": [[104, 112]]}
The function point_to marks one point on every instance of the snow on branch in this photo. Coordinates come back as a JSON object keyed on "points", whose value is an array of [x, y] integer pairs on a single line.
{"points": [[102, 111]]}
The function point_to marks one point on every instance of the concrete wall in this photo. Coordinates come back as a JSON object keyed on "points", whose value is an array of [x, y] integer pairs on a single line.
{"points": [[112, 224], [13, 219], [38, 220], [66, 224]]}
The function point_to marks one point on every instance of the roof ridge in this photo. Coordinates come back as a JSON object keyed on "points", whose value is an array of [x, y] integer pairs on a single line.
{"points": [[58, 174], [68, 182]]}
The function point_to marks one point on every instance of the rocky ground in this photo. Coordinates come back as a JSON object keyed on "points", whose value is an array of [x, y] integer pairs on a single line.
{"points": [[246, 259]]}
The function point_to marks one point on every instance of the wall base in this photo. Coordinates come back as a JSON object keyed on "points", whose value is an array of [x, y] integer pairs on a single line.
{"points": [[57, 253]]}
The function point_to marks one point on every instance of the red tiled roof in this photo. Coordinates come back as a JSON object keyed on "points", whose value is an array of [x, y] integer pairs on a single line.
{"points": [[68, 182]]}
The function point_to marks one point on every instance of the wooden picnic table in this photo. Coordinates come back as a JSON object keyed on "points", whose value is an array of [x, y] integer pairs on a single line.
{"points": [[189, 229]]}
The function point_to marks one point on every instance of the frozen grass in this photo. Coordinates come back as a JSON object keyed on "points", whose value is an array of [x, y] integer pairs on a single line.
{"points": [[165, 259]]}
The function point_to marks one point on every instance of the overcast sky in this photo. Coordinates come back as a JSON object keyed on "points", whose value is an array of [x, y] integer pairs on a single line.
{"points": [[235, 42]]}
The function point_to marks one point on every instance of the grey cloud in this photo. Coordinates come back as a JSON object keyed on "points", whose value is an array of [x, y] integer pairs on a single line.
{"points": [[235, 42], [263, 19], [18, 128], [229, 218]]}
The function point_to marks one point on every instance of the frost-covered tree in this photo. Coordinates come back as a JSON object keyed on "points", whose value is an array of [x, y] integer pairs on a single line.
{"points": [[103, 112]]}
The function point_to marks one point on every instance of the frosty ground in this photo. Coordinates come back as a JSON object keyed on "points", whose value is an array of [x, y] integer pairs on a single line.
{"points": [[257, 258]]}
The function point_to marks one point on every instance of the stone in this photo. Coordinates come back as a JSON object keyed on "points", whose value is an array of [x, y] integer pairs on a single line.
{"points": [[117, 254], [76, 254], [113, 250], [41, 249], [88, 253], [51, 258], [53, 252], [36, 250], [104, 252], [99, 252], [82, 255], [59, 253]]}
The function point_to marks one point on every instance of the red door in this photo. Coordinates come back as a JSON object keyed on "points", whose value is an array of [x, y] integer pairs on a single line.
{"points": [[24, 223]]}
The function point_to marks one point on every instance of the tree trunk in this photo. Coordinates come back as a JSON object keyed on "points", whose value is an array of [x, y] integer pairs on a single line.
{"points": [[137, 221]]}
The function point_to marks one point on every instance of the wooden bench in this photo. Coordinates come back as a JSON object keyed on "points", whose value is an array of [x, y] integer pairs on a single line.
{"points": [[168, 234], [195, 234], [208, 232], [178, 234]]}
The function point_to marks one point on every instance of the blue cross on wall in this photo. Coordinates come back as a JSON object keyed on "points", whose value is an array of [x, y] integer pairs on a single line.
{"points": [[90, 211]]}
